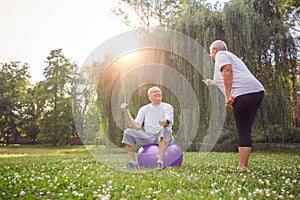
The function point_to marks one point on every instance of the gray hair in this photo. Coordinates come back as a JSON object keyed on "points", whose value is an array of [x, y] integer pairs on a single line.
{"points": [[219, 45], [155, 87]]}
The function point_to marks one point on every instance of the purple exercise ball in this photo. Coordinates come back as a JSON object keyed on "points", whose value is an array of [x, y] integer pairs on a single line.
{"points": [[148, 155]]}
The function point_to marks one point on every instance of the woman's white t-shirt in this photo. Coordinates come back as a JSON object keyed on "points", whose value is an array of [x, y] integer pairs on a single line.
{"points": [[243, 81], [151, 115]]}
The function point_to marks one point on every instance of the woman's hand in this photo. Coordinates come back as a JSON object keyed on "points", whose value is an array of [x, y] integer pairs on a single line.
{"points": [[229, 102], [208, 82]]}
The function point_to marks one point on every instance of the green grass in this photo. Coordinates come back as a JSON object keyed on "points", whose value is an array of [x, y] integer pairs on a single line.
{"points": [[76, 173]]}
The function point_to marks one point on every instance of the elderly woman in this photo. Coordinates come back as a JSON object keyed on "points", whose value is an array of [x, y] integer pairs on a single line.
{"points": [[243, 93]]}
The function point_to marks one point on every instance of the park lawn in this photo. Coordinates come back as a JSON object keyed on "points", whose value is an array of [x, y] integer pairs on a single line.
{"points": [[76, 173]]}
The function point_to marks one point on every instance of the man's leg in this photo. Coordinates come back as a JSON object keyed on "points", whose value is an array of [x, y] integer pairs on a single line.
{"points": [[134, 137], [130, 151], [129, 141], [166, 138], [162, 145]]}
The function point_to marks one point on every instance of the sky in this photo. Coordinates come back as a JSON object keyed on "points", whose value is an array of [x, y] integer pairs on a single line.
{"points": [[30, 29]]}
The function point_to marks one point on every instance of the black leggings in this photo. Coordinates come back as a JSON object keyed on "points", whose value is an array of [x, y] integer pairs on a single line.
{"points": [[244, 111]]}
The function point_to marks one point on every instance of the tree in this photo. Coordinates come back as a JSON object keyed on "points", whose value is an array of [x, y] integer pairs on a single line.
{"points": [[291, 13], [85, 110], [56, 123], [258, 31], [149, 13], [30, 116], [14, 81]]}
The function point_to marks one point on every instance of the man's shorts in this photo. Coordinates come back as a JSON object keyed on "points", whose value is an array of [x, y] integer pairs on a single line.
{"points": [[134, 137]]}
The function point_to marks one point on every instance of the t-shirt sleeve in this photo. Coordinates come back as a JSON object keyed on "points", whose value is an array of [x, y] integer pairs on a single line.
{"points": [[222, 59], [141, 115]]}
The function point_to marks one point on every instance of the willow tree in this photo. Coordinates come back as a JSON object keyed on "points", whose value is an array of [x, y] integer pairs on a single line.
{"points": [[291, 10], [106, 84], [139, 14], [196, 20], [256, 31]]}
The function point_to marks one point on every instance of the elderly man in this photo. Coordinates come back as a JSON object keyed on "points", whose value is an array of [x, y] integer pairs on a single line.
{"points": [[157, 118]]}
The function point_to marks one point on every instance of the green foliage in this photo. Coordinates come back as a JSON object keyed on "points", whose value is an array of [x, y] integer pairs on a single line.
{"points": [[150, 13], [278, 134], [254, 30], [291, 12], [31, 115], [55, 121], [14, 86]]}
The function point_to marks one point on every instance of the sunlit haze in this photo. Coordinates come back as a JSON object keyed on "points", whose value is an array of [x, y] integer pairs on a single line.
{"points": [[30, 29]]}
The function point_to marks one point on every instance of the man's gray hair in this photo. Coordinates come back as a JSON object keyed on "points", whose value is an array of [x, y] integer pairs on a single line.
{"points": [[219, 45], [155, 87]]}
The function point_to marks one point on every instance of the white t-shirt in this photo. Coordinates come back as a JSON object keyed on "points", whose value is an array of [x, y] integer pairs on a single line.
{"points": [[243, 81], [151, 115]]}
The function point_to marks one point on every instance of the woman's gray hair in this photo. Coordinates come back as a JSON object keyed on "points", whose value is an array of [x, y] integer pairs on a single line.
{"points": [[219, 45]]}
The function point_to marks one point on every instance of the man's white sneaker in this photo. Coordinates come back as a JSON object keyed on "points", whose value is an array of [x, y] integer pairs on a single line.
{"points": [[159, 165], [131, 165]]}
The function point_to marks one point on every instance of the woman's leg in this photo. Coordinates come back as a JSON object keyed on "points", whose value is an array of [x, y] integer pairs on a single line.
{"points": [[244, 153], [244, 112]]}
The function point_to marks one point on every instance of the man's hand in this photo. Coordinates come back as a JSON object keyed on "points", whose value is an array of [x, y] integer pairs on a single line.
{"points": [[164, 123], [124, 107], [133, 124]]}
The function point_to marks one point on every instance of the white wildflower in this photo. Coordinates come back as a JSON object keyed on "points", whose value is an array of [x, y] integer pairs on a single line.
{"points": [[90, 183], [287, 181], [22, 193], [80, 194], [75, 193], [156, 192], [106, 197]]}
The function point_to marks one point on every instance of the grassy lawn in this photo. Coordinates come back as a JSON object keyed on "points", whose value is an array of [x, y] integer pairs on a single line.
{"points": [[76, 173]]}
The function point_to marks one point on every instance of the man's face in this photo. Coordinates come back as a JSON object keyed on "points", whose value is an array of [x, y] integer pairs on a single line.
{"points": [[155, 95]]}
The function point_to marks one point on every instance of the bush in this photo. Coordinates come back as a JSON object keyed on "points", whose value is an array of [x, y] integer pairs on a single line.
{"points": [[277, 134]]}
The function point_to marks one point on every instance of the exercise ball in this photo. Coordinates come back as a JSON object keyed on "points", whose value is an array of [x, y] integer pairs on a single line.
{"points": [[148, 155]]}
